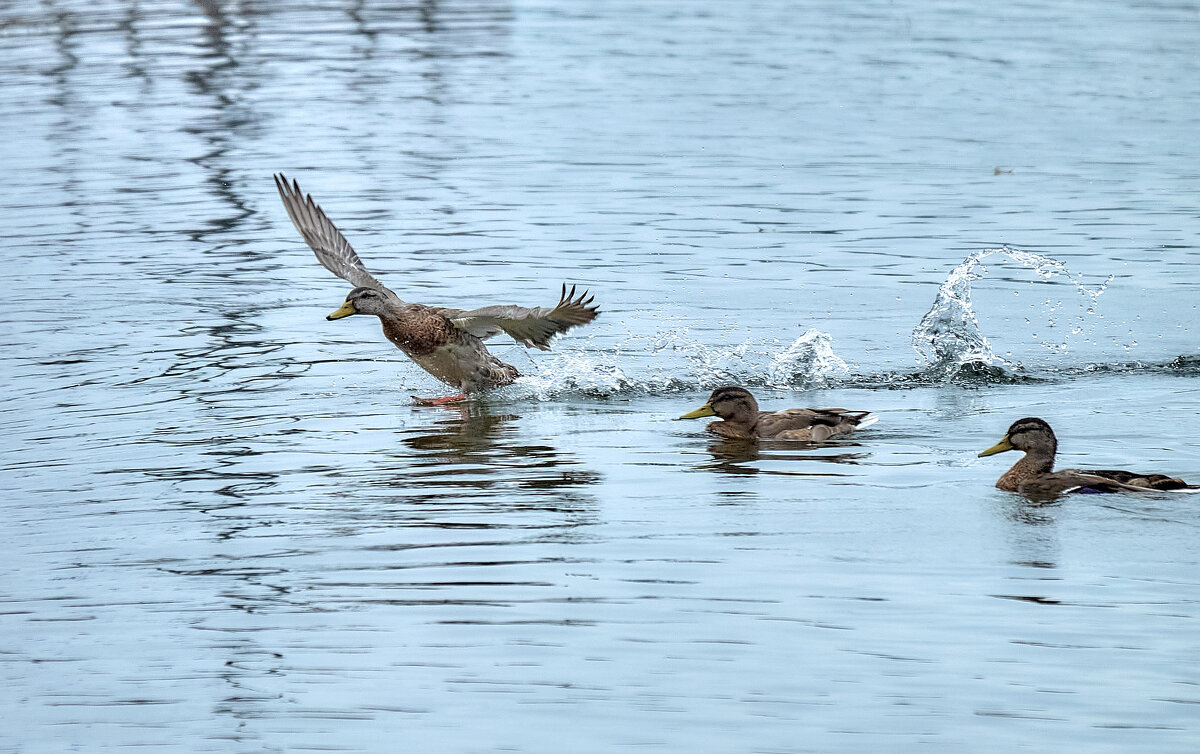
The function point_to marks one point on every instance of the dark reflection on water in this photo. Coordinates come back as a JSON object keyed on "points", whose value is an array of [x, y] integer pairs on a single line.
{"points": [[738, 456], [223, 83], [460, 523], [465, 430], [470, 447], [1031, 512]]}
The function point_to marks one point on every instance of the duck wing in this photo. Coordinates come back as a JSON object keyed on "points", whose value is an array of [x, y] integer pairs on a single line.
{"points": [[1049, 486], [531, 327], [1138, 481], [327, 242], [814, 424]]}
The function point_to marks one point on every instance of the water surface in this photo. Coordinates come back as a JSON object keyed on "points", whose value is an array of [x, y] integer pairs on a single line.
{"points": [[228, 529]]}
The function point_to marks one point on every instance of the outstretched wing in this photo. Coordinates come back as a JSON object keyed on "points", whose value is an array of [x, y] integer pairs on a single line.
{"points": [[327, 242], [532, 327]]}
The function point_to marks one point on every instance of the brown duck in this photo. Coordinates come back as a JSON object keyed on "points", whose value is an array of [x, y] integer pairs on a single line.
{"points": [[741, 419], [1034, 474], [447, 343]]}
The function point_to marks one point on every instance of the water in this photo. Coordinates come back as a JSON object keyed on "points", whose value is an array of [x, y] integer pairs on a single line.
{"points": [[227, 529]]}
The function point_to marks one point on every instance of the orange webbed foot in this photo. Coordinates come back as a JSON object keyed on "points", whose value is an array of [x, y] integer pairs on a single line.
{"points": [[444, 401]]}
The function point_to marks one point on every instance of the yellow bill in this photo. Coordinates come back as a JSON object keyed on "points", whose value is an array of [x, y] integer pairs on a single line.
{"points": [[705, 410], [999, 447], [346, 310]]}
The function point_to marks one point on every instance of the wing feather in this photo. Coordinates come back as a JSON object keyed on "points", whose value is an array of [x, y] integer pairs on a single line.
{"points": [[823, 423], [531, 327], [327, 242]]}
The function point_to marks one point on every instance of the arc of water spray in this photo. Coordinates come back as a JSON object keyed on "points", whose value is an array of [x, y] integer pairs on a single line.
{"points": [[949, 336]]}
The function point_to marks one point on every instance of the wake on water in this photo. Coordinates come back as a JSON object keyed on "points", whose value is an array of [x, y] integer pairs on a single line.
{"points": [[949, 342]]}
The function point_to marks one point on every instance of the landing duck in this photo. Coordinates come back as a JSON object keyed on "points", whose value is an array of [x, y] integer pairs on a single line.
{"points": [[447, 343]]}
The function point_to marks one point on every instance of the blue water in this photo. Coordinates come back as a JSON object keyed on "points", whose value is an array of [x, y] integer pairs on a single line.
{"points": [[228, 529]]}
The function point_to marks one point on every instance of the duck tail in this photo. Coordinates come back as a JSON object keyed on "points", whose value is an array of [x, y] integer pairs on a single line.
{"points": [[866, 420]]}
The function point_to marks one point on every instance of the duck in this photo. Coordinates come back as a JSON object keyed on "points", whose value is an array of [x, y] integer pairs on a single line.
{"points": [[1034, 476], [447, 343], [741, 419]]}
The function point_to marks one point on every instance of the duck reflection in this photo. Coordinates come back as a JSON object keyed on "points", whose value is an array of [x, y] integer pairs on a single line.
{"points": [[738, 456], [462, 430], [1033, 533], [468, 451], [1032, 512]]}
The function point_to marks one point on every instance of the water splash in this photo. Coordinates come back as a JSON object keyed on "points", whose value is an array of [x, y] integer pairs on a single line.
{"points": [[597, 374], [948, 338], [809, 361], [589, 374], [675, 362]]}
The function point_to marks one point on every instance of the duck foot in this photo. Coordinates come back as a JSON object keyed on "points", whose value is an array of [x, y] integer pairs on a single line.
{"points": [[439, 401]]}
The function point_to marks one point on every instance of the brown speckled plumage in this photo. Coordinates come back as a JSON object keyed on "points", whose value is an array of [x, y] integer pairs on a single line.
{"points": [[742, 420], [418, 330], [1034, 476], [447, 343]]}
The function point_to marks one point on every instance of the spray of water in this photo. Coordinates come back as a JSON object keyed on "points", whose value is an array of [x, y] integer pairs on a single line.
{"points": [[948, 340], [673, 361], [948, 337], [808, 362]]}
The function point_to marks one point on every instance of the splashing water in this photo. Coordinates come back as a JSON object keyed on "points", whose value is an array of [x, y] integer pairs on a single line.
{"points": [[808, 361], [948, 337], [948, 340], [673, 362]]}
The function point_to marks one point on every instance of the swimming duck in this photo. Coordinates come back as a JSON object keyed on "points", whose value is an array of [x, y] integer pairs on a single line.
{"points": [[741, 419], [447, 343], [1034, 474]]}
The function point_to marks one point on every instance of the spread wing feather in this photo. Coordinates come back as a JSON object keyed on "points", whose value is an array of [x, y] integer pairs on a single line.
{"points": [[327, 242], [532, 327]]}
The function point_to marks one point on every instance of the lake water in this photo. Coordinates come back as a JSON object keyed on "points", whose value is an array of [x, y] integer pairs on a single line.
{"points": [[227, 528]]}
